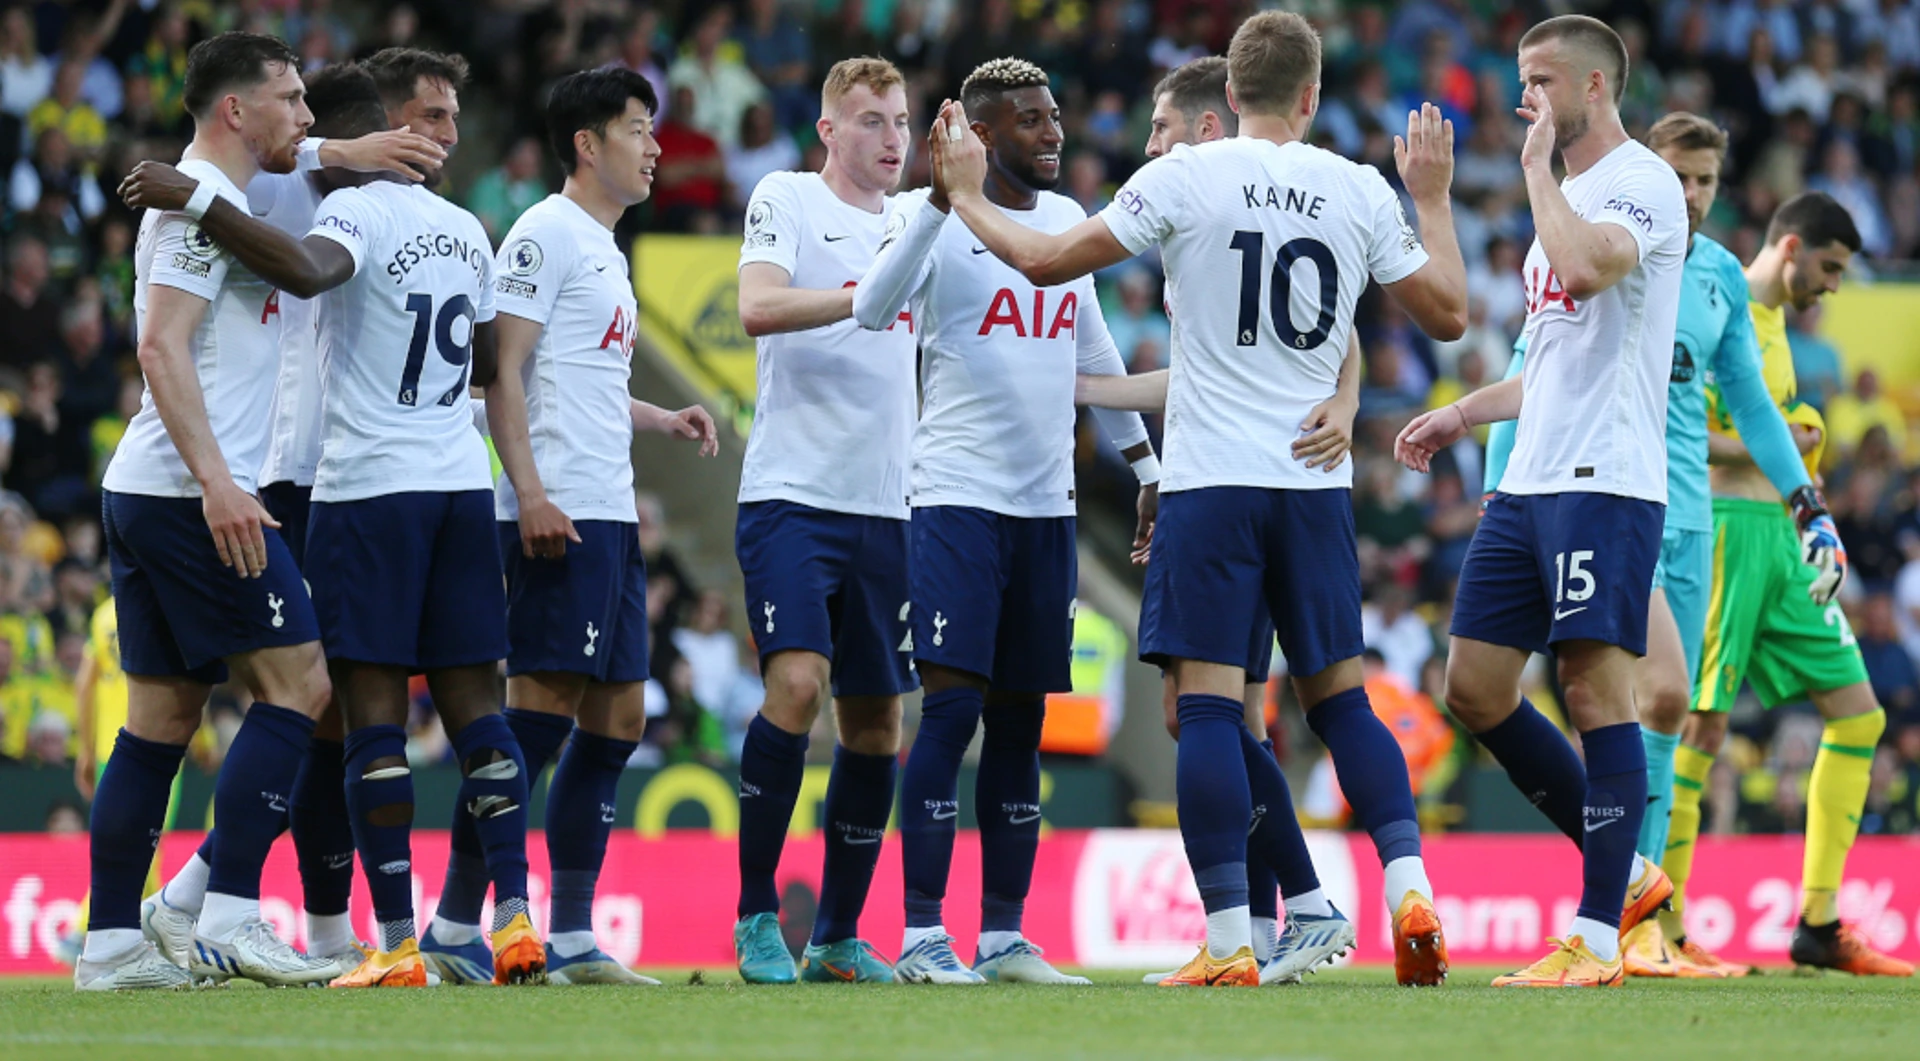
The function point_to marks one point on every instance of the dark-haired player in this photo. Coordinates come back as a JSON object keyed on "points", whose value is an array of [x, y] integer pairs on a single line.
{"points": [[995, 571], [317, 812], [210, 348], [563, 424]]}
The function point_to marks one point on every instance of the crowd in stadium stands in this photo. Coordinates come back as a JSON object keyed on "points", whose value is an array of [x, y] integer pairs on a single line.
{"points": [[1822, 94]]}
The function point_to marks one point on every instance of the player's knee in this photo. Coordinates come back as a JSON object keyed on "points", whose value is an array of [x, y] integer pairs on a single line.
{"points": [[869, 726], [1475, 708], [1014, 726], [1666, 708]]}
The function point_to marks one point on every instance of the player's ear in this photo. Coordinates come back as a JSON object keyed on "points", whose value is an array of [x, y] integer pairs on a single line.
{"points": [[584, 145], [1233, 104], [824, 126], [229, 109]]}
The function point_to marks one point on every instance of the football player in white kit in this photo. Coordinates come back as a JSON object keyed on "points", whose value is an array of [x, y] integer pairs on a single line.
{"points": [[403, 501], [563, 424], [1564, 555], [209, 346], [995, 564], [822, 532], [1267, 243], [317, 811]]}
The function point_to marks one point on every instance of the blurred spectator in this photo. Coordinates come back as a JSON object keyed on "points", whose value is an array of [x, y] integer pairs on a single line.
{"points": [[636, 54], [721, 87], [68, 111], [50, 463], [29, 313], [163, 62], [1896, 681], [1391, 628], [1841, 178], [709, 648], [26, 76], [669, 590], [105, 431], [90, 383], [66, 819], [113, 268], [1816, 364], [779, 53], [52, 169], [764, 148], [691, 174], [1906, 598], [505, 192], [1140, 330], [1811, 85], [1851, 415], [26, 585], [76, 588]]}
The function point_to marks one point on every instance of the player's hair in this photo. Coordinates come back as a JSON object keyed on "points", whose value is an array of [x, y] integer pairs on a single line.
{"points": [[398, 72], [1687, 132], [589, 100], [345, 102], [230, 61], [879, 75], [995, 77], [1272, 57], [1817, 219], [1589, 35], [1198, 87]]}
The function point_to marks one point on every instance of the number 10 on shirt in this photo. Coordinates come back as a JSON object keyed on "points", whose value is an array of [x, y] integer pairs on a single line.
{"points": [[1250, 244]]}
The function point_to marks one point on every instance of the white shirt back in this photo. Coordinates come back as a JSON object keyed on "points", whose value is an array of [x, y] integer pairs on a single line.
{"points": [[833, 420], [1594, 418], [561, 269], [288, 201], [999, 357], [236, 351], [1258, 343], [396, 345]]}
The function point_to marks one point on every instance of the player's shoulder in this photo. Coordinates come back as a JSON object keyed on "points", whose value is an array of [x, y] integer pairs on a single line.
{"points": [[1640, 164], [1712, 255], [790, 185], [1052, 205]]}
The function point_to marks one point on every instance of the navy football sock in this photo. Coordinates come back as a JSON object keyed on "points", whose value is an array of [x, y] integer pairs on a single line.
{"points": [[930, 799], [494, 791], [129, 811], [1616, 802], [1280, 858], [465, 891], [772, 764], [380, 800], [859, 802], [1543, 766], [580, 808], [252, 794], [1006, 801], [1216, 805], [322, 828], [1372, 771]]}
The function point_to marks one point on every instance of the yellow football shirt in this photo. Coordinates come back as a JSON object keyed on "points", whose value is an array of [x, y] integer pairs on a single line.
{"points": [[110, 682], [1776, 368]]}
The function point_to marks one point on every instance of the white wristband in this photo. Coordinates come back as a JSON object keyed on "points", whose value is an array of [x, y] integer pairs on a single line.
{"points": [[202, 198], [1147, 470]]}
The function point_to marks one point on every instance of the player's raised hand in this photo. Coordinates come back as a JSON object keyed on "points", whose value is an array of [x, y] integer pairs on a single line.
{"points": [[694, 423], [156, 186], [1425, 155], [959, 158], [236, 517], [1329, 433], [545, 530], [1428, 434], [1537, 109], [389, 151]]}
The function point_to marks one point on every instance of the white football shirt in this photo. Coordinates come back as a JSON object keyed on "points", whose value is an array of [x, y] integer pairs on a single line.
{"points": [[1594, 417], [833, 419], [561, 269], [236, 351], [998, 361], [288, 201], [1267, 248], [396, 345]]}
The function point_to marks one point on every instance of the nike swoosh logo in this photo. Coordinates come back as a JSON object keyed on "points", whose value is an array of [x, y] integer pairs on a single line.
{"points": [[1594, 827], [836, 239], [1559, 615], [979, 250], [599, 268], [1023, 819], [861, 840], [939, 817]]}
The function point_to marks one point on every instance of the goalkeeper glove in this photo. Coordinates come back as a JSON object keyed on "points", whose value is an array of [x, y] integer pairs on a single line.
{"points": [[1820, 546]]}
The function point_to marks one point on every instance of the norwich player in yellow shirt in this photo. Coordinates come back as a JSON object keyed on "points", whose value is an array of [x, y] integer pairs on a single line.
{"points": [[1772, 620]]}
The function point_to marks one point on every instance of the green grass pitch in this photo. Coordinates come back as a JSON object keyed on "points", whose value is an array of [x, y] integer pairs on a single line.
{"points": [[1347, 1014]]}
